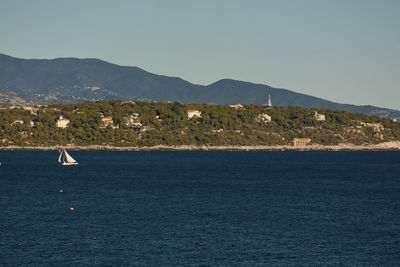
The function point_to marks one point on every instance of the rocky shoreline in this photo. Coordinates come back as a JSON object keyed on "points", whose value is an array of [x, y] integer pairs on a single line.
{"points": [[341, 147]]}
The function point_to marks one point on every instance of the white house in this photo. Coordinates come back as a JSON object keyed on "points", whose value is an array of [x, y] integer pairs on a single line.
{"points": [[263, 118], [376, 126], [319, 117], [193, 113], [236, 106], [32, 110], [133, 120], [105, 121], [17, 121], [62, 122]]}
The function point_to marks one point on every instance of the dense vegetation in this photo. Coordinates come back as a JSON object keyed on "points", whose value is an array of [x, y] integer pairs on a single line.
{"points": [[168, 124]]}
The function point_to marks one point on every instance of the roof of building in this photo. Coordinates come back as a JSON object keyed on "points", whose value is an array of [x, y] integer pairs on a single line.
{"points": [[106, 118], [128, 102]]}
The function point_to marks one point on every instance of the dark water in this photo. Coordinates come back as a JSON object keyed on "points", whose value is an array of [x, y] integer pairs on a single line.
{"points": [[200, 208]]}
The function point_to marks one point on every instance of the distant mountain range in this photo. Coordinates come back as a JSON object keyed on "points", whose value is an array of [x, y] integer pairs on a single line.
{"points": [[72, 80]]}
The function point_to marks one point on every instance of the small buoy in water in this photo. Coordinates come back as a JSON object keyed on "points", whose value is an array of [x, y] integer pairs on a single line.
{"points": [[61, 190], [71, 208]]}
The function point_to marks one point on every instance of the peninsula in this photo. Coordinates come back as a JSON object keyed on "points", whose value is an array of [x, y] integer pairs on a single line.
{"points": [[129, 125]]}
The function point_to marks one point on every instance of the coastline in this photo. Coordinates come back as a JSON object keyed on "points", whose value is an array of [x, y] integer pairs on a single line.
{"points": [[393, 146]]}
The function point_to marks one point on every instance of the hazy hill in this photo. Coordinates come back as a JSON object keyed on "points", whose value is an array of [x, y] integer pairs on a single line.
{"points": [[71, 80]]}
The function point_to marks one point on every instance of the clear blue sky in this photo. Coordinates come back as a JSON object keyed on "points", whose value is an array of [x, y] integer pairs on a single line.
{"points": [[342, 50]]}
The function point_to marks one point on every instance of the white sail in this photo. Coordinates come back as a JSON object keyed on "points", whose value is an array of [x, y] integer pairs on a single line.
{"points": [[59, 157], [68, 158]]}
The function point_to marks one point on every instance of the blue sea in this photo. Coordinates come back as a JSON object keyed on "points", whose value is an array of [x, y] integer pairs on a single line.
{"points": [[200, 208]]}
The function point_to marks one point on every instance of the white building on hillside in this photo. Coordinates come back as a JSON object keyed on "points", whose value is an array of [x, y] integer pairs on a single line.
{"points": [[32, 110], [263, 118], [319, 117], [301, 141], [62, 122], [17, 121], [133, 120], [193, 113], [236, 106], [105, 121]]}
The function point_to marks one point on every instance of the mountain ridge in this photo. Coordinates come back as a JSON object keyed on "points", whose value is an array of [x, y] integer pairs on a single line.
{"points": [[72, 80]]}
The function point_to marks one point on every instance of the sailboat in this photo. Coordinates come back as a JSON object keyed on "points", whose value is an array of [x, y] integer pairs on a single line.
{"points": [[66, 159]]}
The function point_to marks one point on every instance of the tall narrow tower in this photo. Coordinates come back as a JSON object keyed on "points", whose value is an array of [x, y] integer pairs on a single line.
{"points": [[269, 104]]}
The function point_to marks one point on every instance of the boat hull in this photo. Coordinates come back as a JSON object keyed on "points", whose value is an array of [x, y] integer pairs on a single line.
{"points": [[69, 163]]}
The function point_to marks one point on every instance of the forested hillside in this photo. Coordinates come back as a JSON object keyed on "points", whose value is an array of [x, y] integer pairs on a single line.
{"points": [[117, 123]]}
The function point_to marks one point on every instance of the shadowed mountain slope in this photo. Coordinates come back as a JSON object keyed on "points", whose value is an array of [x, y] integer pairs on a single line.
{"points": [[71, 80]]}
